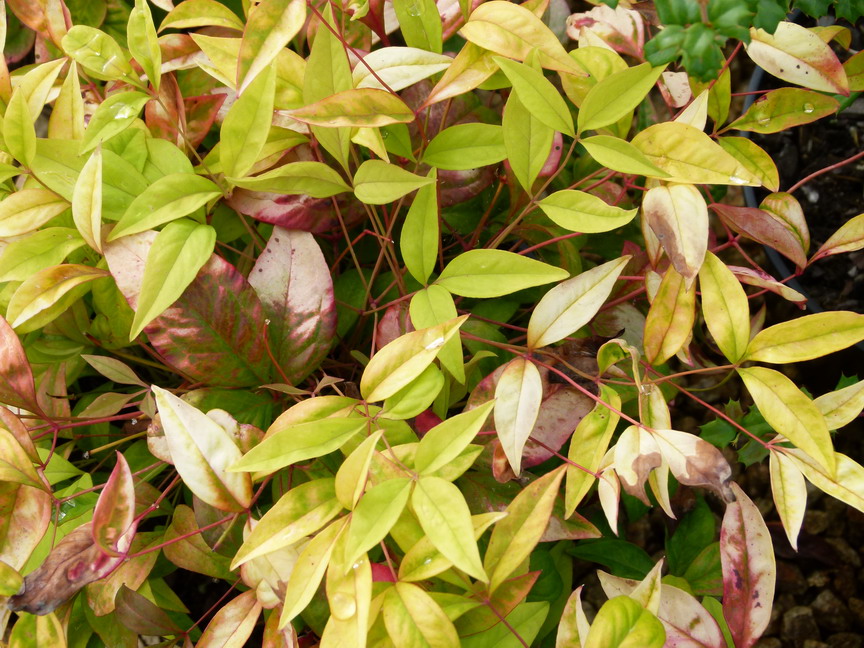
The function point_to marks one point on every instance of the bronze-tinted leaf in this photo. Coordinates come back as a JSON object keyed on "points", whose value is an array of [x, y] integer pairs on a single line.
{"points": [[749, 571], [16, 379], [293, 281], [140, 615], [759, 225], [115, 509], [298, 212], [74, 562]]}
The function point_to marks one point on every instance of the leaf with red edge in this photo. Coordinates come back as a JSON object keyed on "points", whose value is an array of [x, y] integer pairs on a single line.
{"points": [[299, 212], [759, 225], [24, 516], [16, 378], [166, 118], [503, 601], [214, 333], [785, 208], [763, 280], [749, 570], [15, 466], [200, 115], [848, 238], [785, 108], [114, 514], [232, 624], [293, 281]]}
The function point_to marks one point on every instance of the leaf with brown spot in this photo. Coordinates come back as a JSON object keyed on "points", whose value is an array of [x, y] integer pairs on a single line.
{"points": [[695, 462], [636, 455], [670, 319], [749, 570], [678, 215]]}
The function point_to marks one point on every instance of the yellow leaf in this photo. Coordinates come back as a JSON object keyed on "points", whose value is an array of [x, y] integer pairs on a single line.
{"points": [[517, 403], [847, 484], [678, 215], [670, 319], [805, 338], [842, 406], [790, 494], [725, 307]]}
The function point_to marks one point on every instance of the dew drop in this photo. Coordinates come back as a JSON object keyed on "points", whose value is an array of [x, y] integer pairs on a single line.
{"points": [[343, 606], [415, 9], [385, 134], [427, 561], [736, 180], [267, 322], [763, 120], [808, 108], [435, 344], [86, 454]]}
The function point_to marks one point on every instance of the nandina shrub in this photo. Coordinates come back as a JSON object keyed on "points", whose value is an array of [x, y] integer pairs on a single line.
{"points": [[372, 313]]}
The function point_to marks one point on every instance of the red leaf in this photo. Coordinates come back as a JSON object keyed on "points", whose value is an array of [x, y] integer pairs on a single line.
{"points": [[166, 118], [300, 212], [16, 379], [293, 281], [749, 570], [200, 114], [762, 227], [114, 514]]}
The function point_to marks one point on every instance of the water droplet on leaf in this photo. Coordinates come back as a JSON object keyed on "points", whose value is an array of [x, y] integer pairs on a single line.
{"points": [[808, 108], [736, 180]]}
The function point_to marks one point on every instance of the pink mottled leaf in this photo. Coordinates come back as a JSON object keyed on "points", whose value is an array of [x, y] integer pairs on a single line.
{"points": [[214, 333], [293, 281], [16, 378], [200, 115], [749, 570], [114, 514], [300, 212]]}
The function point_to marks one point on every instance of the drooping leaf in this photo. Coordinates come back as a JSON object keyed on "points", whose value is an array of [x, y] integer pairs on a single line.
{"points": [[678, 215], [573, 303], [492, 273], [670, 319], [694, 461], [377, 182], [790, 494], [790, 412], [795, 54], [418, 241], [202, 451], [444, 516], [293, 281], [270, 26], [169, 198], [514, 537], [616, 96], [177, 254], [518, 395], [725, 307], [749, 571]]}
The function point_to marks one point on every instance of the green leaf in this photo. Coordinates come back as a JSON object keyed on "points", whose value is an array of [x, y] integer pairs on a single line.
{"points": [[418, 241], [616, 95], [572, 304], [405, 358], [725, 307], [806, 338], [270, 26], [201, 13], [527, 141], [114, 115], [113, 370], [514, 538], [67, 117], [785, 108], [18, 131], [352, 474], [376, 182], [299, 513], [143, 42], [178, 253], [374, 516], [358, 108], [788, 410], [99, 55], [419, 23], [416, 396], [313, 178], [10, 580], [300, 442], [414, 619], [28, 209], [28, 255], [538, 95], [446, 520], [466, 146], [493, 273], [87, 201], [525, 621], [247, 125], [753, 158], [443, 443], [620, 155], [169, 198], [623, 623], [578, 211], [431, 306]]}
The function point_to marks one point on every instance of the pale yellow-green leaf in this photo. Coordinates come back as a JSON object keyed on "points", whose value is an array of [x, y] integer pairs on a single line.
{"points": [[374, 516], [67, 117], [790, 412], [37, 83], [572, 304], [270, 26], [725, 307], [578, 211], [399, 362], [414, 620], [678, 215], [493, 273], [518, 395], [397, 67], [18, 131], [847, 484], [753, 158], [352, 474], [246, 126], [848, 238], [617, 95], [538, 95], [362, 107], [201, 13], [113, 116], [87, 201], [143, 42], [806, 337], [669, 323], [790, 494], [620, 155], [448, 439], [27, 210], [376, 182], [432, 306], [842, 406], [202, 451]]}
